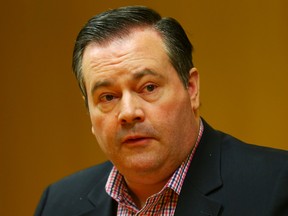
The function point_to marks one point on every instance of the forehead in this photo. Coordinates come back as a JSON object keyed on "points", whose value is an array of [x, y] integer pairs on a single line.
{"points": [[141, 50], [140, 41]]}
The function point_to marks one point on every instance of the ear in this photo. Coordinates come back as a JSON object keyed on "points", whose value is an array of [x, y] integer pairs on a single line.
{"points": [[194, 88]]}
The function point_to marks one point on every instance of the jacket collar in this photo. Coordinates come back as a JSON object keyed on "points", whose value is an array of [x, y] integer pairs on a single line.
{"points": [[98, 202], [202, 178], [104, 204]]}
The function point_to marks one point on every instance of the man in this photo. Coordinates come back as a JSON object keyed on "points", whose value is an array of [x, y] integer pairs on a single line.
{"points": [[136, 73]]}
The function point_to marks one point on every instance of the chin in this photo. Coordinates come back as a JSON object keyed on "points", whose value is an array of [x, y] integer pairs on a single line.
{"points": [[141, 165]]}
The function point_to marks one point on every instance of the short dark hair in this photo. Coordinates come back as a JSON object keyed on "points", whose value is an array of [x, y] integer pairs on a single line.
{"points": [[117, 23]]}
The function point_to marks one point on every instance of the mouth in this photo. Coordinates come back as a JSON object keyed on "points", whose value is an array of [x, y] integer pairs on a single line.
{"points": [[136, 140]]}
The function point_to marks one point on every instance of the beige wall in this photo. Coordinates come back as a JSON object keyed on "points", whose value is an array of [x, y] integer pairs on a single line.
{"points": [[240, 51]]}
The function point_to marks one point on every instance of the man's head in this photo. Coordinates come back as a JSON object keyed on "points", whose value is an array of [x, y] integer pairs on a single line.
{"points": [[142, 99], [117, 23]]}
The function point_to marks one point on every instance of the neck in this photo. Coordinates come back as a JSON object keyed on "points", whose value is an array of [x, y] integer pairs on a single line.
{"points": [[141, 192]]}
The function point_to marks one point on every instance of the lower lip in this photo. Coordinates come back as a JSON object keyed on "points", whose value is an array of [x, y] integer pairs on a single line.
{"points": [[137, 142]]}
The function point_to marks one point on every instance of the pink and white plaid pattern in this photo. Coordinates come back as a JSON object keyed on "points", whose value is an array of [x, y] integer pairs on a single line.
{"points": [[163, 203]]}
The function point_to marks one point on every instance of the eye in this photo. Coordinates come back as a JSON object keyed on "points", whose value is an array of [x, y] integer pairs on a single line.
{"points": [[150, 88], [106, 98]]}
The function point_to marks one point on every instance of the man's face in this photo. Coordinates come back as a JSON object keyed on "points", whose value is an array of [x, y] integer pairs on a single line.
{"points": [[142, 115]]}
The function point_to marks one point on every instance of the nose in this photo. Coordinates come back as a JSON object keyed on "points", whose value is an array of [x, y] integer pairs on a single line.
{"points": [[130, 110]]}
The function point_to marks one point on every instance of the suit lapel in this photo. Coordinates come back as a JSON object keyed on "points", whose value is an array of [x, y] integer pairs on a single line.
{"points": [[202, 178], [98, 202], [104, 204], [105, 207], [196, 204]]}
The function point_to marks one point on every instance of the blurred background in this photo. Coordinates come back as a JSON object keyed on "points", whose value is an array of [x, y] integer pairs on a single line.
{"points": [[241, 51]]}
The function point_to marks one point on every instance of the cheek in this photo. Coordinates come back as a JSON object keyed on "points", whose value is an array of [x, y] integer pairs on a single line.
{"points": [[173, 116], [104, 129], [174, 107]]}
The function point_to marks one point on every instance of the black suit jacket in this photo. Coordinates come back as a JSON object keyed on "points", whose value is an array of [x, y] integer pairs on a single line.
{"points": [[226, 177]]}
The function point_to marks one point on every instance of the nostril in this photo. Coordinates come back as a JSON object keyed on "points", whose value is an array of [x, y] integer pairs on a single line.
{"points": [[137, 119], [132, 121]]}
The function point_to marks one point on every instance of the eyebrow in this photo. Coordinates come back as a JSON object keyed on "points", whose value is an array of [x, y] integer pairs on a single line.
{"points": [[136, 76], [99, 84], [140, 74]]}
